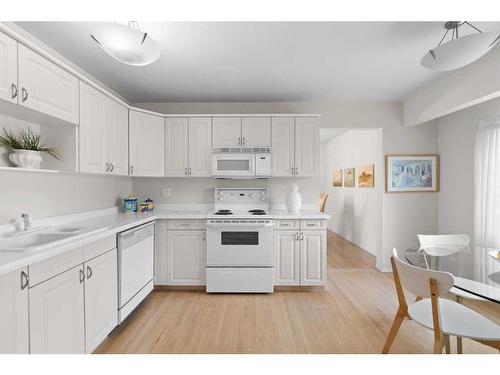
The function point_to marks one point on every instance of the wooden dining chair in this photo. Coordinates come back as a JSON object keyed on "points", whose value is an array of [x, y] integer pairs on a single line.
{"points": [[322, 201], [445, 317]]}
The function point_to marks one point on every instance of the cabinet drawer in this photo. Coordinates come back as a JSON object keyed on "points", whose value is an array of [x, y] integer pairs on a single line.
{"points": [[186, 224], [286, 224], [312, 224], [98, 247], [51, 267]]}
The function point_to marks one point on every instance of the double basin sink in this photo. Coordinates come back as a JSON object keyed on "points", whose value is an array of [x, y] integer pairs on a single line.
{"points": [[38, 239]]}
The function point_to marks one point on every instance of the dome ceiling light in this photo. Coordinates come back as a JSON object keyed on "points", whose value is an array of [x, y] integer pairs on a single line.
{"points": [[127, 44], [459, 51]]}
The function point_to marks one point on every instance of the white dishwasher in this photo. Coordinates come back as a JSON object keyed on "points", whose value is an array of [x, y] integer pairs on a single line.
{"points": [[135, 267]]}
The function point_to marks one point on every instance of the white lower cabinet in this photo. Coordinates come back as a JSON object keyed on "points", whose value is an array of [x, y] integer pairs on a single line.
{"points": [[101, 298], [186, 253], [14, 337], [56, 311], [299, 257], [286, 257]]}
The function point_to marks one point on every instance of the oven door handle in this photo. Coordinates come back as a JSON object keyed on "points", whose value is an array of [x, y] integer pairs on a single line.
{"points": [[240, 225]]}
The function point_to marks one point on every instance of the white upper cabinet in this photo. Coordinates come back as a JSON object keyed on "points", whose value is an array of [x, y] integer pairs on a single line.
{"points": [[226, 131], [200, 146], [56, 313], [283, 146], [101, 298], [45, 87], [256, 131], [146, 150], [103, 133], [14, 337], [117, 137], [8, 69], [176, 147], [93, 153], [306, 146]]}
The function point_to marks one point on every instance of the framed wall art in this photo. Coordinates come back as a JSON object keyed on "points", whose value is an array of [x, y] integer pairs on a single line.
{"points": [[411, 173]]}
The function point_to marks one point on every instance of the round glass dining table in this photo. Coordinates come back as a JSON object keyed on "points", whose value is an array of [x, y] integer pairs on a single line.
{"points": [[476, 269]]}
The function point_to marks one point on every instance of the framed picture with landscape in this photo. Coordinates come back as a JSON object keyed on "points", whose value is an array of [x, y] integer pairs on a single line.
{"points": [[411, 173], [337, 177]]}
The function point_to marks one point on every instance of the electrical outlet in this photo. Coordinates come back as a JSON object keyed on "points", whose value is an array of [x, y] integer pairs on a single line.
{"points": [[166, 192]]}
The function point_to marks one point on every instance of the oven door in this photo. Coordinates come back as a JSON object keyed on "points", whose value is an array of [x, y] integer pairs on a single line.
{"points": [[233, 165], [240, 244]]}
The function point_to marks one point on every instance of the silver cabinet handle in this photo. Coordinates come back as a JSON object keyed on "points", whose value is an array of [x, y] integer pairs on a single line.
{"points": [[89, 272], [107, 167], [239, 141], [185, 171], [204, 236], [82, 276], [14, 91], [131, 169], [24, 280], [301, 236], [292, 171], [297, 236], [24, 94], [296, 171], [243, 141], [112, 167]]}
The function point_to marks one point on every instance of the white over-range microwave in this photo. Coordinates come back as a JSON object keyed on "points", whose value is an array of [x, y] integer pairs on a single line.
{"points": [[241, 162]]}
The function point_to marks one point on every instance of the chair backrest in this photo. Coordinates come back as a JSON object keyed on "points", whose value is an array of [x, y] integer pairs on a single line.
{"points": [[322, 201], [417, 280], [443, 244]]}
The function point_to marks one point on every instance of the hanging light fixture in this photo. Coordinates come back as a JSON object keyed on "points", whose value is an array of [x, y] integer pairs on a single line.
{"points": [[459, 51], [127, 44]]}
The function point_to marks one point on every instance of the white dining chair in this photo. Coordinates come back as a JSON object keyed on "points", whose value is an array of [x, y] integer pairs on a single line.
{"points": [[445, 317]]}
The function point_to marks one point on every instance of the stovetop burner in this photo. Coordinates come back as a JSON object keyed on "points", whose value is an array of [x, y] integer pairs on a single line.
{"points": [[224, 212], [257, 212]]}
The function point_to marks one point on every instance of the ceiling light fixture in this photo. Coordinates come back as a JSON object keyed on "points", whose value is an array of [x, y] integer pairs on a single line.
{"points": [[127, 44], [459, 51]]}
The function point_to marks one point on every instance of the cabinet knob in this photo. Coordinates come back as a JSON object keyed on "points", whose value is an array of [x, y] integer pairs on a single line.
{"points": [[24, 280], [131, 169], [82, 276], [24, 94], [107, 167], [89, 272], [14, 91], [112, 167]]}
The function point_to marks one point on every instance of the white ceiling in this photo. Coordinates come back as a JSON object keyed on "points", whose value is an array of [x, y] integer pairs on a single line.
{"points": [[261, 61]]}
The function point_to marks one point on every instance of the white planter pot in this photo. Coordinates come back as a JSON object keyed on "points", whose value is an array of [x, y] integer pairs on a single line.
{"points": [[293, 200], [26, 158]]}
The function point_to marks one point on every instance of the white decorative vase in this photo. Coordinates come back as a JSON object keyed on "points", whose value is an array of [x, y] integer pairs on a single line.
{"points": [[26, 158], [293, 200]]}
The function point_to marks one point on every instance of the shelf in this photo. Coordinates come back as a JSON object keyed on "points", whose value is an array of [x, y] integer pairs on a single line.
{"points": [[16, 169]]}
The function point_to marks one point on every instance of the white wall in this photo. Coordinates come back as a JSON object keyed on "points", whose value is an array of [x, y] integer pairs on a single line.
{"points": [[456, 146], [356, 212]]}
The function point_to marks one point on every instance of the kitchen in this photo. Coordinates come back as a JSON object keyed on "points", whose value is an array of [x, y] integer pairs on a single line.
{"points": [[188, 217]]}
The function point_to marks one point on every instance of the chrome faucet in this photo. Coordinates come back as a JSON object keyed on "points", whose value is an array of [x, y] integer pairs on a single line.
{"points": [[27, 221]]}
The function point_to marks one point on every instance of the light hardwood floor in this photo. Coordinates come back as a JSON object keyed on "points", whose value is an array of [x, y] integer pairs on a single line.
{"points": [[351, 315]]}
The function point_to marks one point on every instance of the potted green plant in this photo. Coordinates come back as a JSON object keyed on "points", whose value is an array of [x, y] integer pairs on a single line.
{"points": [[25, 147]]}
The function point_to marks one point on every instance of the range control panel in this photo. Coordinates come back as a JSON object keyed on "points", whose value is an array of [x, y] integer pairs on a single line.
{"points": [[235, 197]]}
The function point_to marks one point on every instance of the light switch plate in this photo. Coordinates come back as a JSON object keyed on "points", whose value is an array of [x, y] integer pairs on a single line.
{"points": [[166, 192]]}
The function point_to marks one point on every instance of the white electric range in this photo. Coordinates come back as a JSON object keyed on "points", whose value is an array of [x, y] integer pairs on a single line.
{"points": [[240, 242]]}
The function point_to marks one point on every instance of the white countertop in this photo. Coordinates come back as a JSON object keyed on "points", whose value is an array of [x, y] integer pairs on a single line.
{"points": [[103, 223]]}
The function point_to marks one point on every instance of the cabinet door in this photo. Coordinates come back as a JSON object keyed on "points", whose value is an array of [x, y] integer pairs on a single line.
{"points": [[256, 131], [146, 144], [47, 88], [8, 69], [14, 337], [117, 137], [176, 147], [200, 147], [57, 314], [226, 131], [307, 146], [186, 257], [313, 258], [286, 258], [101, 298], [93, 153], [283, 146]]}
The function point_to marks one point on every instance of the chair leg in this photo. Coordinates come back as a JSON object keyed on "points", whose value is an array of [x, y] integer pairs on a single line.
{"points": [[438, 346], [459, 345], [447, 344], [394, 330]]}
